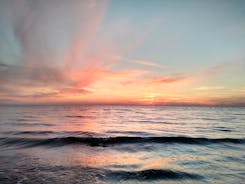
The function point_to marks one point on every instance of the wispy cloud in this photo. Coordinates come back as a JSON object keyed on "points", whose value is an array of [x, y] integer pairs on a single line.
{"points": [[209, 88], [146, 63], [54, 42], [167, 79], [242, 89]]}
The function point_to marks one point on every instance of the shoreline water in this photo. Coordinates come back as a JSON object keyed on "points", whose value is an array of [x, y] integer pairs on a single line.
{"points": [[121, 144]]}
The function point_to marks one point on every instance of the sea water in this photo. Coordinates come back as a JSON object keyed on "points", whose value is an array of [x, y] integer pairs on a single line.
{"points": [[121, 144]]}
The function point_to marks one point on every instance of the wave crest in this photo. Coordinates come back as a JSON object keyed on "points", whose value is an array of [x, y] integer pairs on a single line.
{"points": [[97, 141], [152, 174]]}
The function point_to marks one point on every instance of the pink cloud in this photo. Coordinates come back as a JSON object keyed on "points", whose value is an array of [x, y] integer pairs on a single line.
{"points": [[145, 62], [167, 79]]}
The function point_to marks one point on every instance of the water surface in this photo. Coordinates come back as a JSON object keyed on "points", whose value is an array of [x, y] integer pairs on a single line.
{"points": [[121, 144]]}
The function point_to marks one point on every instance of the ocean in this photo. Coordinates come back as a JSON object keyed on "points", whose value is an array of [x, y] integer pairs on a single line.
{"points": [[66, 144]]}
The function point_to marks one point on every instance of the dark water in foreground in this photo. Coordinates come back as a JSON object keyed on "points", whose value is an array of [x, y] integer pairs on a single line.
{"points": [[121, 144]]}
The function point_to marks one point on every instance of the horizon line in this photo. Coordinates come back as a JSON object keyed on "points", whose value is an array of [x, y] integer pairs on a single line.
{"points": [[123, 104]]}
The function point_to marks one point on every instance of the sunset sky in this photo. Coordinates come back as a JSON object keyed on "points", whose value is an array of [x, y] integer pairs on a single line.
{"points": [[155, 52]]}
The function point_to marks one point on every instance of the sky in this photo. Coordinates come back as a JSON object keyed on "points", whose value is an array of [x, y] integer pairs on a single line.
{"points": [[169, 52]]}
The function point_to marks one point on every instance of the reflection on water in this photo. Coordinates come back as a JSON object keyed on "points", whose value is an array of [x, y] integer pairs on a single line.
{"points": [[121, 144]]}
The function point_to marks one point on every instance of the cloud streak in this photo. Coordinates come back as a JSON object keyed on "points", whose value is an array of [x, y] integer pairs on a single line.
{"points": [[145, 63], [207, 88]]}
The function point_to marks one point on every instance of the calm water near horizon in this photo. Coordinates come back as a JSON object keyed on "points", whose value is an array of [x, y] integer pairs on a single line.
{"points": [[121, 144]]}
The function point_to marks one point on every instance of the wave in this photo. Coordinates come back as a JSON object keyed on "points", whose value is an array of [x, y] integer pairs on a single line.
{"points": [[97, 141], [130, 132], [152, 174], [155, 122], [27, 124], [33, 132], [78, 116], [223, 130], [86, 174], [80, 133]]}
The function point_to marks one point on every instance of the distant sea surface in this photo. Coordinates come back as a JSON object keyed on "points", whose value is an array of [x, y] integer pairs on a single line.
{"points": [[121, 144]]}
